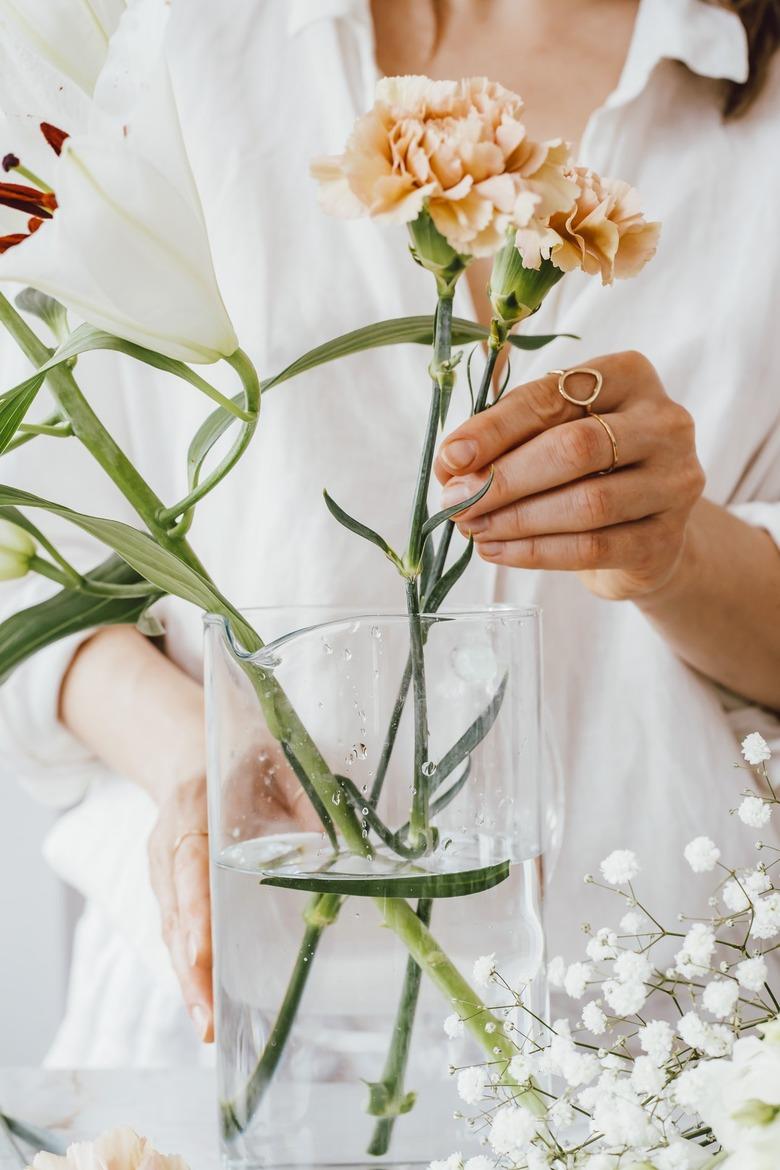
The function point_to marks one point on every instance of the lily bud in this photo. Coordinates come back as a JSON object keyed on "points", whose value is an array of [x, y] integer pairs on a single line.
{"points": [[17, 548], [432, 252], [516, 291]]}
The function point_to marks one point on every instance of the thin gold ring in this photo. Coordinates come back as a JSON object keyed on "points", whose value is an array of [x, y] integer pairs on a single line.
{"points": [[612, 439], [598, 382], [182, 837]]}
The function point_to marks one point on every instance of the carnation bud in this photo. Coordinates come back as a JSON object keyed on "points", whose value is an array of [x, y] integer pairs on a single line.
{"points": [[17, 548], [755, 1113], [516, 291], [432, 252]]}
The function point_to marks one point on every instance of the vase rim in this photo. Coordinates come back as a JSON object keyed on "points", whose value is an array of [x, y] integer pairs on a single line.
{"points": [[339, 614]]}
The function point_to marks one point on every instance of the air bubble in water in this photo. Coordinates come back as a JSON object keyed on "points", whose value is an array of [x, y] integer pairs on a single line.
{"points": [[365, 812], [336, 798], [428, 768]]}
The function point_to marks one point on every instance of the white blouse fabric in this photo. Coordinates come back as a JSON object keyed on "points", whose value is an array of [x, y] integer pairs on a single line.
{"points": [[647, 745]]}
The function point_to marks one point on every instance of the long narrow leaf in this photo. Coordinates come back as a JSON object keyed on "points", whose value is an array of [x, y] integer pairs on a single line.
{"points": [[70, 612], [397, 331], [311, 793], [156, 564], [474, 735], [14, 407], [445, 584], [405, 885], [360, 529], [447, 513]]}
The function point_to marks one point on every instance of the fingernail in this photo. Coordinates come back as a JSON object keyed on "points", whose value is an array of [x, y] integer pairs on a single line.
{"points": [[490, 548], [459, 453], [192, 949], [200, 1019], [479, 524], [456, 491]]}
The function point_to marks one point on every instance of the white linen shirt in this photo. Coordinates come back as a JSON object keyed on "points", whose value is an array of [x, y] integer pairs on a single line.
{"points": [[647, 745]]}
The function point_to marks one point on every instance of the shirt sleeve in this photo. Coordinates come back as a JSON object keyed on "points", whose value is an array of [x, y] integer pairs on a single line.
{"points": [[761, 514]]}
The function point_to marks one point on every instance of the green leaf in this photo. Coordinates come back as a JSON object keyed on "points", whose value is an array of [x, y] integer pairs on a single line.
{"points": [[405, 885], [162, 568], [311, 792], [396, 331], [474, 735], [35, 1137], [361, 529], [449, 580], [69, 612], [447, 513], [14, 406], [45, 308]]}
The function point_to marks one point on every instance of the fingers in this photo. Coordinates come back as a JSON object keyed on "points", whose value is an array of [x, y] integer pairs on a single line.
{"points": [[630, 547], [599, 502], [534, 408], [566, 453], [193, 963], [179, 871]]}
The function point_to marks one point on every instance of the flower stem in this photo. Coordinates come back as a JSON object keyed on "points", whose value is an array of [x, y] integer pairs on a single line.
{"points": [[237, 1114], [426, 952], [397, 1058]]}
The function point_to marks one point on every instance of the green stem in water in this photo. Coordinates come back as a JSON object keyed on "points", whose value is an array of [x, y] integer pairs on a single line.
{"points": [[394, 1101], [419, 827], [236, 1115], [464, 1001]]}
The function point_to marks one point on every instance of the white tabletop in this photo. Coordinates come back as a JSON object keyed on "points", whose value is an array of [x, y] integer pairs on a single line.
{"points": [[175, 1109]]}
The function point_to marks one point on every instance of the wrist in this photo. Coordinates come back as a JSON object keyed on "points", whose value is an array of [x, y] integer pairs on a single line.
{"points": [[682, 578]]}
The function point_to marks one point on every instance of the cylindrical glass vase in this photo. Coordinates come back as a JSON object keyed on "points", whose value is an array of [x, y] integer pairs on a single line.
{"points": [[375, 786]]}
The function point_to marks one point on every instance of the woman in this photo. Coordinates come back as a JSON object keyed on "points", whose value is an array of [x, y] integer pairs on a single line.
{"points": [[661, 602]]}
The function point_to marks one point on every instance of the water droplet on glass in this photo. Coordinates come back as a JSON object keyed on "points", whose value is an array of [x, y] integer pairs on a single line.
{"points": [[320, 705], [360, 750], [347, 653], [336, 799], [376, 633], [326, 646], [364, 833], [365, 812], [428, 768]]}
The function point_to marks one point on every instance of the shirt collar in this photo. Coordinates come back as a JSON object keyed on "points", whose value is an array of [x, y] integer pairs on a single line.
{"points": [[709, 39]]}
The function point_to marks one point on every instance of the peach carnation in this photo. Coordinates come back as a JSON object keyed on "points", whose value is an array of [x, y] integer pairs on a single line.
{"points": [[604, 233], [457, 148], [117, 1149]]}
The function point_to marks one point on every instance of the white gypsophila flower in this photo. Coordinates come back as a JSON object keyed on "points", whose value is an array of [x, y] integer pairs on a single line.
{"points": [[520, 1068], [632, 922], [453, 1027], [619, 1116], [755, 749], [720, 997], [702, 854], [620, 867], [512, 1131], [576, 979], [631, 966], [711, 1039], [657, 1039], [602, 946], [766, 916], [680, 1155], [752, 973], [697, 950], [537, 1159], [742, 890], [754, 812], [593, 1019], [453, 1162], [484, 970], [556, 972], [561, 1114], [646, 1077], [472, 1083], [479, 1162], [625, 998]]}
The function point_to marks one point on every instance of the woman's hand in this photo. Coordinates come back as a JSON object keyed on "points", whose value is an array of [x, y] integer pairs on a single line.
{"points": [[261, 795], [548, 508]]}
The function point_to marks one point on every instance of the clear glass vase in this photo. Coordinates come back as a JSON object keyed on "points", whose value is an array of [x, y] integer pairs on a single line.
{"points": [[375, 794]]}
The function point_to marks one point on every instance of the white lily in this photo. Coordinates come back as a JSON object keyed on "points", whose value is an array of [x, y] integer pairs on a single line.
{"points": [[125, 246], [73, 35]]}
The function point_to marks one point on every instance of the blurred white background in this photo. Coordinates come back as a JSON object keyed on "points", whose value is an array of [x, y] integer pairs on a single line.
{"points": [[36, 915]]}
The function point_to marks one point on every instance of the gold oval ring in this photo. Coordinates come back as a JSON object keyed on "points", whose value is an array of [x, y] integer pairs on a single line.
{"points": [[586, 402]]}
